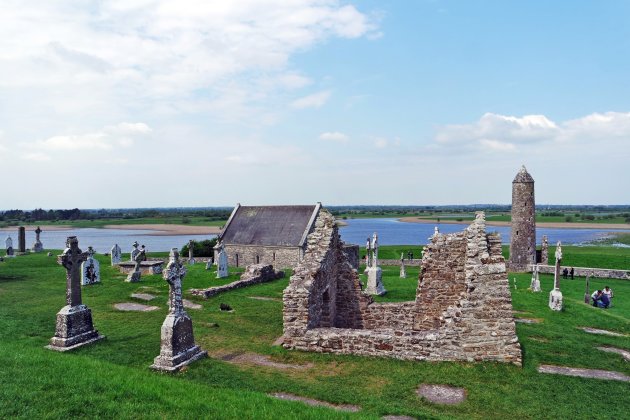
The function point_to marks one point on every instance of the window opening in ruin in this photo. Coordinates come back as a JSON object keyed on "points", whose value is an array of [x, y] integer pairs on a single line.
{"points": [[257, 259], [324, 321], [237, 260], [274, 255]]}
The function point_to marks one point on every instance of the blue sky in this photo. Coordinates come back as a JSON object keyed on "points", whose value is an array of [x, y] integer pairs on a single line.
{"points": [[155, 103]]}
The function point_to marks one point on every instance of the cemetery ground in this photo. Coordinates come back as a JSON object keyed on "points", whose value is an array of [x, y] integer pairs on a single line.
{"points": [[111, 378]]}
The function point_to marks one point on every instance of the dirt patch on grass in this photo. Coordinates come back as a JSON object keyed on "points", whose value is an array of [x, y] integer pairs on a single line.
{"points": [[261, 360], [584, 373], [314, 402]]}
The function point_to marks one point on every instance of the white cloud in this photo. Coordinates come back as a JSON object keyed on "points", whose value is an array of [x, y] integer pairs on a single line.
{"points": [[334, 136], [37, 157], [316, 100], [121, 135]]}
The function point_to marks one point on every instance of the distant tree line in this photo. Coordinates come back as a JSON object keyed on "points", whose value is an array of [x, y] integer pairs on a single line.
{"points": [[209, 214]]}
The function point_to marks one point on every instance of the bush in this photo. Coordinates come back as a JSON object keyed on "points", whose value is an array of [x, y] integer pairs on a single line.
{"points": [[588, 217], [185, 220], [203, 248], [568, 219]]}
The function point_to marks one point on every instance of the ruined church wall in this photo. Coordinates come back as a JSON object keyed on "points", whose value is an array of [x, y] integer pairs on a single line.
{"points": [[279, 257]]}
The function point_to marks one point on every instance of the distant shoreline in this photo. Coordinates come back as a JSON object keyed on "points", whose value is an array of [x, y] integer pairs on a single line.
{"points": [[553, 225], [159, 229]]}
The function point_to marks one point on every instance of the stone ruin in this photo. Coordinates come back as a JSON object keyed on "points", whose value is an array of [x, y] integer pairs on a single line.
{"points": [[462, 311]]}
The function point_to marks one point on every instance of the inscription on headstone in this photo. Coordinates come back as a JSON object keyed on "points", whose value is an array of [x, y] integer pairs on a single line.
{"points": [[90, 269]]}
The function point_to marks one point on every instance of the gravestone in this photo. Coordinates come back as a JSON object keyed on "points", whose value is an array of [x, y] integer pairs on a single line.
{"points": [[587, 293], [209, 264], [116, 254], [134, 251], [10, 253], [177, 345], [555, 296], [191, 248], [37, 246], [544, 251], [222, 267], [374, 272], [403, 270], [21, 239], [140, 256], [535, 284], [74, 321], [90, 269]]}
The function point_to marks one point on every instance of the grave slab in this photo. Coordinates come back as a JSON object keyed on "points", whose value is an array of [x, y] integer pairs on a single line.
{"points": [[314, 402], [134, 307], [143, 296], [601, 332], [442, 394], [624, 353], [584, 373], [262, 360]]}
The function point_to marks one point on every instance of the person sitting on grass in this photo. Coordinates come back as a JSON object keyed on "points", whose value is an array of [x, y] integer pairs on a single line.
{"points": [[608, 292], [595, 297], [604, 301]]}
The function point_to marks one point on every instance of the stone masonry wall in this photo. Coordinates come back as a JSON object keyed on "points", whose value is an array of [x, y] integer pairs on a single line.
{"points": [[602, 273], [523, 234], [473, 324], [255, 273], [281, 257]]}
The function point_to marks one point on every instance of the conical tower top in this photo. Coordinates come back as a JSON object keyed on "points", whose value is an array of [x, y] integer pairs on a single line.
{"points": [[523, 176]]}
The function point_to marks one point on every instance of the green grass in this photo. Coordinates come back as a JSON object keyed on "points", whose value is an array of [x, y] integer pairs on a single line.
{"points": [[111, 378]]}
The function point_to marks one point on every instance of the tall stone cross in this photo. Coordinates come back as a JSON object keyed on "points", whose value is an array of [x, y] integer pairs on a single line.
{"points": [[556, 280], [38, 231], [368, 253], [71, 260], [375, 250], [173, 274]]}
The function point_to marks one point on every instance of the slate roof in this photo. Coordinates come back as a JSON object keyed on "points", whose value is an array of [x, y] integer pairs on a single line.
{"points": [[523, 176], [269, 225]]}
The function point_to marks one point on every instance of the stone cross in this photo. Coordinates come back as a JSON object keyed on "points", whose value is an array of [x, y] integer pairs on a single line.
{"points": [[37, 246], [71, 260], [555, 296], [374, 250], [403, 270], [368, 253], [135, 251], [535, 284], [544, 250], [191, 247], [556, 280], [173, 274], [587, 293], [38, 231]]}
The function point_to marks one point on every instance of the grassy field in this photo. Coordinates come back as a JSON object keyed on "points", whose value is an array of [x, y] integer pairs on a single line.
{"points": [[111, 378]]}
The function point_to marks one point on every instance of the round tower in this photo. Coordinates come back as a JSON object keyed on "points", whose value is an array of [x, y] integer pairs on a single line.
{"points": [[523, 240]]}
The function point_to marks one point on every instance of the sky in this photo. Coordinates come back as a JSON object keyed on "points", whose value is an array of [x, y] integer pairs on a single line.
{"points": [[151, 103]]}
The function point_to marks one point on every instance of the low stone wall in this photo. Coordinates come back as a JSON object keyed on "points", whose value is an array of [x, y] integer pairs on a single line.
{"points": [[379, 316], [146, 267], [415, 262], [254, 274], [602, 273]]}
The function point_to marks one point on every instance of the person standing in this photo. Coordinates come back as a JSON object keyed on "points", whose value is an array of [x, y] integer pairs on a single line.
{"points": [[571, 273]]}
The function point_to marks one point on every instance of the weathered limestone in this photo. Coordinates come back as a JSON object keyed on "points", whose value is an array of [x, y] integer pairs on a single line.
{"points": [[254, 274], [191, 252], [601, 273], [146, 267], [555, 296], [523, 237], [587, 293], [222, 266], [374, 273], [535, 284], [462, 311], [21, 239], [134, 251], [10, 253], [139, 257], [37, 246], [90, 269], [178, 347], [74, 321], [403, 270], [116, 254], [544, 250]]}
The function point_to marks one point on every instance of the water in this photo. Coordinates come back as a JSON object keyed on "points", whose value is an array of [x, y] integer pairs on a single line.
{"points": [[102, 240], [393, 232]]}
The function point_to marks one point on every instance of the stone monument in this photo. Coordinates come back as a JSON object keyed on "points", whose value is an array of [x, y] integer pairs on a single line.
{"points": [[116, 254], [403, 270], [535, 284], [191, 248], [374, 272], [140, 256], [555, 296], [222, 266], [178, 347], [90, 269], [134, 251], [10, 253], [22, 239], [587, 293], [544, 251], [74, 321], [523, 237], [37, 246]]}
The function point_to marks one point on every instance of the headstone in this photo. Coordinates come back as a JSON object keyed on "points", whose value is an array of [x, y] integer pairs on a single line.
{"points": [[374, 272], [403, 270], [544, 251], [74, 321], [535, 284], [37, 246], [10, 253], [134, 251], [21, 239], [555, 296], [135, 275], [116, 254], [177, 346], [191, 248], [222, 267], [587, 293], [90, 269], [209, 264]]}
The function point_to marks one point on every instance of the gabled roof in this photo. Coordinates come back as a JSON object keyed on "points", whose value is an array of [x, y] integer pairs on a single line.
{"points": [[269, 225]]}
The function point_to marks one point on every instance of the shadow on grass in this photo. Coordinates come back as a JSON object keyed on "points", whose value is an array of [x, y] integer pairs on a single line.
{"points": [[11, 278]]}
